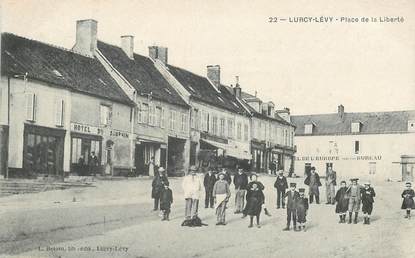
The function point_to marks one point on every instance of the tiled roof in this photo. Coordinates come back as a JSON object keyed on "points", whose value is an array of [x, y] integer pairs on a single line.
{"points": [[141, 74], [245, 95], [371, 123], [58, 66], [202, 90]]}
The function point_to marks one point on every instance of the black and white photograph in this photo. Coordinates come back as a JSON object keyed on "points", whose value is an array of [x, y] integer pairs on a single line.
{"points": [[164, 129]]}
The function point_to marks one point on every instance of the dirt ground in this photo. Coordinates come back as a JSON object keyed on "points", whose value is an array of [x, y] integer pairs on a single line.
{"points": [[115, 219]]}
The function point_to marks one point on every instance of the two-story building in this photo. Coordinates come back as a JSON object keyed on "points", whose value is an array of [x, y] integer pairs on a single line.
{"points": [[59, 107], [272, 133], [371, 146], [161, 117]]}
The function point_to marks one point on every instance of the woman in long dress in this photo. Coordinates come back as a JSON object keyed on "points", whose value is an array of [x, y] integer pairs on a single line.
{"points": [[254, 200], [151, 167]]}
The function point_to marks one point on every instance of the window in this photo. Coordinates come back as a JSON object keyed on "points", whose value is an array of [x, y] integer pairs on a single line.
{"points": [[285, 137], [292, 139], [162, 118], [205, 121], [246, 132], [183, 125], [194, 119], [356, 127], [411, 125], [239, 131], [139, 113], [356, 147], [31, 104], [308, 129], [215, 125], [230, 128], [144, 113], [151, 114], [105, 114], [372, 168], [261, 133], [158, 117], [59, 106], [173, 120], [222, 127]]}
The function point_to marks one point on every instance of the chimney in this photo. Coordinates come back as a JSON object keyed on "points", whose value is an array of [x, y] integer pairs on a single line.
{"points": [[340, 110], [158, 53], [213, 74], [127, 44], [86, 37], [237, 90]]}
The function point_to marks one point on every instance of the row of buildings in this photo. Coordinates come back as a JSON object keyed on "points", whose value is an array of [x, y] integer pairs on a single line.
{"points": [[58, 107]]}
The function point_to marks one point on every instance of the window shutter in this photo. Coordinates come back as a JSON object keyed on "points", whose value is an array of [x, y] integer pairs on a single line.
{"points": [[162, 118], [30, 104], [59, 104]]}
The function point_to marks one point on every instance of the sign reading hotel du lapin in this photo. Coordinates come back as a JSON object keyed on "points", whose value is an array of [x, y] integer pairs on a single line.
{"points": [[334, 158], [88, 129]]}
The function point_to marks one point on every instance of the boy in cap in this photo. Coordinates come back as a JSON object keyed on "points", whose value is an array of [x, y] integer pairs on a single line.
{"points": [[301, 208], [166, 199], [408, 200], [354, 193], [281, 185], [221, 193], [368, 195], [342, 200], [292, 197]]}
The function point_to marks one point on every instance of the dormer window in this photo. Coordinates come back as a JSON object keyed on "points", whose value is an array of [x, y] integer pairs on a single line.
{"points": [[356, 126], [308, 128]]}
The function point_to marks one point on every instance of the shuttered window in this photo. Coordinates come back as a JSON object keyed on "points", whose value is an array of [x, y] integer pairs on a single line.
{"points": [[59, 111], [31, 107], [162, 118]]}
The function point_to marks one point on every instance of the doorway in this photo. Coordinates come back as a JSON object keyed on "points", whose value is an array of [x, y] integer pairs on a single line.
{"points": [[175, 157]]}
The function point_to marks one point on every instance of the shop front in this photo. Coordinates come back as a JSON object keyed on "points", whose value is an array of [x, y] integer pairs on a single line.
{"points": [[145, 150], [43, 151]]}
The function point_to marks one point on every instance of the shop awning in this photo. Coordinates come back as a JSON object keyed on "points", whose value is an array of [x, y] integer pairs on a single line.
{"points": [[231, 150]]}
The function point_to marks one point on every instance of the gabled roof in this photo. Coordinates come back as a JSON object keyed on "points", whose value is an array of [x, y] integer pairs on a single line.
{"points": [[372, 122], [58, 66], [141, 74], [255, 113], [202, 90]]}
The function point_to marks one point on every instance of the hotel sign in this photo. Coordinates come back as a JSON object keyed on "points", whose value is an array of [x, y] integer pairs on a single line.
{"points": [[335, 158], [86, 129]]}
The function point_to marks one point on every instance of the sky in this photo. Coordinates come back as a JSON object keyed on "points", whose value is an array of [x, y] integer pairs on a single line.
{"points": [[307, 67]]}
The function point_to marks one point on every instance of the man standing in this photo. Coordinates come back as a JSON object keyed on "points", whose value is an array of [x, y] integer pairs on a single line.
{"points": [[331, 186], [227, 176], [208, 182], [240, 180], [192, 186], [222, 193], [313, 181], [292, 196], [93, 164], [281, 185]]}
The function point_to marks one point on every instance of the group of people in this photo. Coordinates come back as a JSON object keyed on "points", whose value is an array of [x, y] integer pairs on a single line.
{"points": [[348, 199]]}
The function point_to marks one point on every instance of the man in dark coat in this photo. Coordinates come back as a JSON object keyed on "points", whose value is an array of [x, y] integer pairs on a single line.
{"points": [[208, 182], [313, 181], [281, 185], [342, 200], [240, 180], [93, 164], [292, 197], [166, 199], [158, 183], [368, 198]]}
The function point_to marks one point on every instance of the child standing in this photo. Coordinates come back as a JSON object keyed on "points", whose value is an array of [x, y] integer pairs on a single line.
{"points": [[166, 199], [408, 200], [354, 193], [368, 195], [292, 197], [342, 202], [221, 193], [301, 208], [254, 200]]}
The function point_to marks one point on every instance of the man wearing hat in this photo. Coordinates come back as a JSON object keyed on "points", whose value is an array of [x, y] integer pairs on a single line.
{"points": [[292, 197], [368, 198], [301, 207], [331, 185], [192, 185], [354, 192], [240, 180], [281, 185], [313, 181], [208, 182], [221, 193], [157, 185]]}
